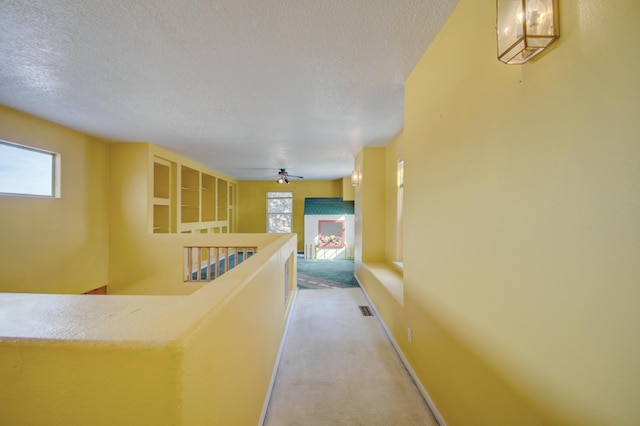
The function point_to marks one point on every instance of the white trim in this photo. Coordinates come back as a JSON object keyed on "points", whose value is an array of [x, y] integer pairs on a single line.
{"points": [[267, 399], [412, 373], [269, 213], [54, 190]]}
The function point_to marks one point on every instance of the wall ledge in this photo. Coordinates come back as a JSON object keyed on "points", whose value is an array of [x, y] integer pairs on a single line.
{"points": [[389, 277]]}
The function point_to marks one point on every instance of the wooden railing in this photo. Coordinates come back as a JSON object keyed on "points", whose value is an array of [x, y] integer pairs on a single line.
{"points": [[206, 263]]}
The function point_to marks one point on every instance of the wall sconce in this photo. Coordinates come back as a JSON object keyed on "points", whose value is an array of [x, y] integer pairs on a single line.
{"points": [[525, 28], [355, 178]]}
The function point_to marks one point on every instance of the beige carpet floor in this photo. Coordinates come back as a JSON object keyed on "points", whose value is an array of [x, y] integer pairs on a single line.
{"points": [[338, 367]]}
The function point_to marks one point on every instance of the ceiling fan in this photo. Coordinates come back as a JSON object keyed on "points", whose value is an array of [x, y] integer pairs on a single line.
{"points": [[283, 176]]}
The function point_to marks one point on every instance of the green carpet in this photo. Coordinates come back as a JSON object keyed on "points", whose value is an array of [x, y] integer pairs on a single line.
{"points": [[337, 270]]}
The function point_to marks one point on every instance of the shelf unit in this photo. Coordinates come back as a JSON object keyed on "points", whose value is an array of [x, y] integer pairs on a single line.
{"points": [[187, 198], [223, 200], [163, 219], [177, 195], [208, 198], [189, 195], [231, 202]]}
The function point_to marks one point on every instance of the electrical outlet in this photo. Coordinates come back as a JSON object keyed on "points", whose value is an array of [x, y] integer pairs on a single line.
{"points": [[409, 334]]}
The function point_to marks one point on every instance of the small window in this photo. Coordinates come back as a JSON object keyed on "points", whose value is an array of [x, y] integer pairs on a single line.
{"points": [[28, 171], [399, 212], [279, 212]]}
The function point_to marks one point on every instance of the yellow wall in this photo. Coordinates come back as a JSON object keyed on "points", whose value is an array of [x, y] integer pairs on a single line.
{"points": [[231, 353], [252, 202], [393, 153], [141, 262], [370, 206], [159, 351], [348, 191], [523, 220], [56, 245], [202, 359]]}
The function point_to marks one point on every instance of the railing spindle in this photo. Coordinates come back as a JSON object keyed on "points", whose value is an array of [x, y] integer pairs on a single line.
{"points": [[196, 271], [217, 262]]}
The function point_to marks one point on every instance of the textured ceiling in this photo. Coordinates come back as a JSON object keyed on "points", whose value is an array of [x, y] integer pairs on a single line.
{"points": [[244, 87]]}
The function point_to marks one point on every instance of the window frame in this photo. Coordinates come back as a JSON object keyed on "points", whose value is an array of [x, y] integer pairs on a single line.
{"points": [[399, 213], [55, 171], [287, 213]]}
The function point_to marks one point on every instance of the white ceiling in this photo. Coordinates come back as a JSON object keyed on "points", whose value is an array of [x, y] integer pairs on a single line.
{"points": [[244, 87]]}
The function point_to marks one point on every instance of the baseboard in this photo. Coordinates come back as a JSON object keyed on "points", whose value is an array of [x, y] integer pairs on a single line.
{"points": [[412, 373], [277, 363]]}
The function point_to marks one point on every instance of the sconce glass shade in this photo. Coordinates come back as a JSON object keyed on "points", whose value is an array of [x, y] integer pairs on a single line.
{"points": [[525, 28], [355, 178]]}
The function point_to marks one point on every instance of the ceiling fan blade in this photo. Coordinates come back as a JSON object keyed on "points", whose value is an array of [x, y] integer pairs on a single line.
{"points": [[294, 176]]}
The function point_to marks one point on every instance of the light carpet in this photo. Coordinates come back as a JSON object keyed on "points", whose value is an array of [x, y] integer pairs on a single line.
{"points": [[338, 367]]}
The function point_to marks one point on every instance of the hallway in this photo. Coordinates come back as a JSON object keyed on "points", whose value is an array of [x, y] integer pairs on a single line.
{"points": [[338, 367]]}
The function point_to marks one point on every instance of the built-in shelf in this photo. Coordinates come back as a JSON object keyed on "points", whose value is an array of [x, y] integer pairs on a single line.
{"points": [[208, 198], [223, 201], [189, 199], [231, 201], [161, 179], [161, 219], [189, 195], [163, 213], [161, 201]]}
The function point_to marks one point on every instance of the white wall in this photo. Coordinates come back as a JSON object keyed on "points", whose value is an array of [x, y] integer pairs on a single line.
{"points": [[311, 230]]}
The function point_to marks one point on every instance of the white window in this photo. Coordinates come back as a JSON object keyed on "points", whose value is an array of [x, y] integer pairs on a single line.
{"points": [[28, 171], [279, 212], [399, 212]]}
